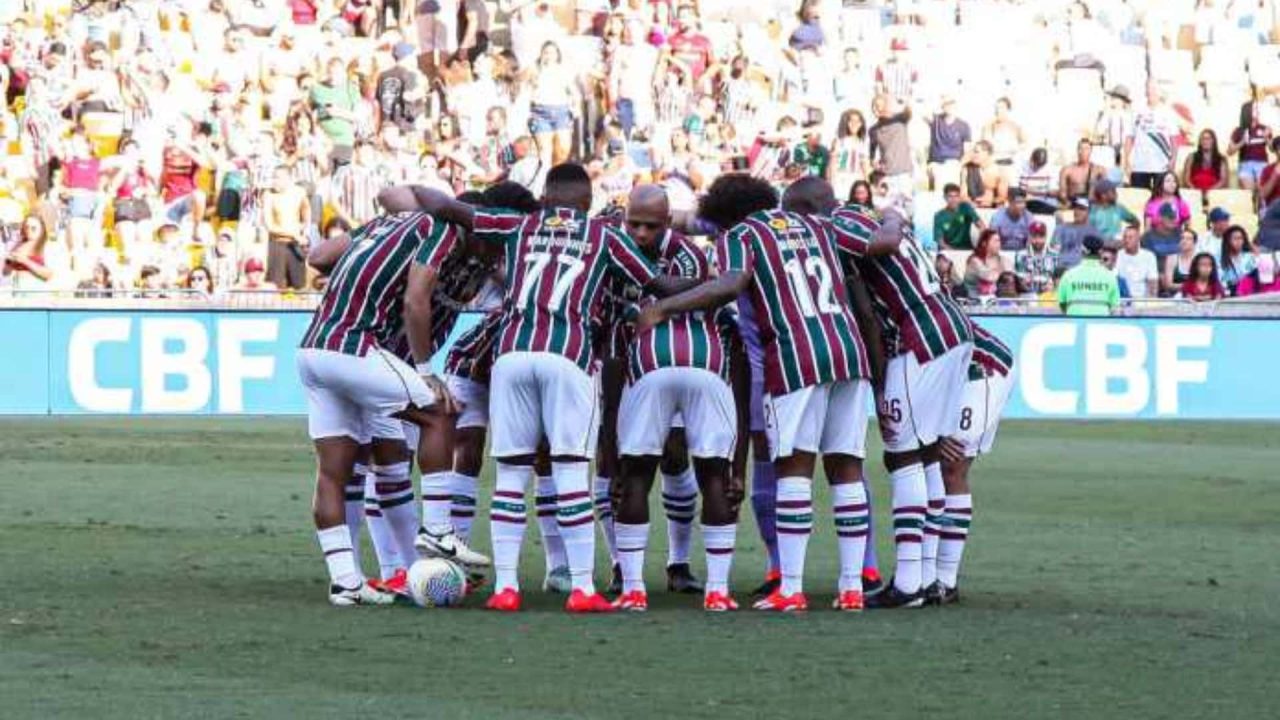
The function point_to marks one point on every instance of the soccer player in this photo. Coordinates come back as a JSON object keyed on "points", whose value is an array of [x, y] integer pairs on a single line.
{"points": [[351, 378], [991, 378], [816, 368], [556, 260], [924, 382], [678, 368]]}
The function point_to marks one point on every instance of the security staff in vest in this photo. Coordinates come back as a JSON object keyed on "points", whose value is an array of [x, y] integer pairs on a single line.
{"points": [[1089, 289]]}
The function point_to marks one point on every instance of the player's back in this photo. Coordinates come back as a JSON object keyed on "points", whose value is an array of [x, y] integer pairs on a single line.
{"points": [[905, 290], [801, 308], [363, 301], [990, 355]]}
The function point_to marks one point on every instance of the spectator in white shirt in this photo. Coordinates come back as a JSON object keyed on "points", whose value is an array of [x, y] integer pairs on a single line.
{"points": [[1137, 265], [1211, 242]]}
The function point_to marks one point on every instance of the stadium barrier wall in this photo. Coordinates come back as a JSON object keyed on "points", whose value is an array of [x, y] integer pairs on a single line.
{"points": [[127, 362]]}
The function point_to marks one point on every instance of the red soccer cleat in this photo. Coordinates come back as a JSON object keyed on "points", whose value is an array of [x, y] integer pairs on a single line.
{"points": [[634, 601], [397, 583], [777, 602], [507, 600], [849, 601], [580, 602], [719, 602]]}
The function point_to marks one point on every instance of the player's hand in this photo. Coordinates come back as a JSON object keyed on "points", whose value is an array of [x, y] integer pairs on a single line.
{"points": [[650, 317], [887, 433], [952, 450], [445, 401], [735, 492]]}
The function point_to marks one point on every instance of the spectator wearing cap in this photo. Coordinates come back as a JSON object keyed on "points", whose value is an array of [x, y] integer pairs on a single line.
{"points": [[1136, 265], [1068, 237], [1165, 232], [1211, 242], [896, 76], [1081, 177], [811, 153], [1089, 289], [1115, 122], [1249, 143], [255, 277], [1013, 222], [1167, 194], [1106, 213], [1037, 264], [953, 225], [949, 142]]}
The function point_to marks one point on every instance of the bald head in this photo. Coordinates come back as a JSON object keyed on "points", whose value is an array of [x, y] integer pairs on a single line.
{"points": [[648, 215], [809, 196]]}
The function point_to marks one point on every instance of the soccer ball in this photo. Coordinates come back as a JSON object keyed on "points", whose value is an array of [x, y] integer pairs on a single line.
{"points": [[434, 582]]}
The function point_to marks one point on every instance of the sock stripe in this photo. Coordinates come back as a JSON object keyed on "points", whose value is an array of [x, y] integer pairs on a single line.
{"points": [[959, 511], [517, 508], [353, 496], [544, 499], [719, 551], [395, 502], [850, 508], [337, 551], [438, 498], [569, 497], [575, 522], [514, 520], [372, 512], [954, 536], [794, 504], [392, 486], [459, 513], [508, 494], [910, 509], [851, 533], [908, 539]]}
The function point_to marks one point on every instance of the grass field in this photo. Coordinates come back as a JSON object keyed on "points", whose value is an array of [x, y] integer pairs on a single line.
{"points": [[161, 568]]}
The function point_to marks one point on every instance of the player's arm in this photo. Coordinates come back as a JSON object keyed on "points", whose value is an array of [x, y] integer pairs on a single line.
{"points": [[708, 295], [860, 303], [740, 375], [417, 323], [416, 198], [324, 255]]}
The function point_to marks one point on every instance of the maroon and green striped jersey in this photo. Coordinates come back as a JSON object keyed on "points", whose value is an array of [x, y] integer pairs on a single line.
{"points": [[460, 276], [692, 340], [557, 262], [472, 355], [990, 356], [798, 296], [677, 256], [905, 289], [363, 304]]}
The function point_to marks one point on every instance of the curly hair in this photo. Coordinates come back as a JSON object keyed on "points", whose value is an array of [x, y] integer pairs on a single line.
{"points": [[734, 196], [510, 195]]}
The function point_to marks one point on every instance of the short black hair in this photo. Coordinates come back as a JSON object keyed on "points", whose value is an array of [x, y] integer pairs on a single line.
{"points": [[950, 188], [568, 185], [510, 195], [734, 196]]}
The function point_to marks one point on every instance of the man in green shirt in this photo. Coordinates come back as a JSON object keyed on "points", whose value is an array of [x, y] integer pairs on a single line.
{"points": [[953, 225], [812, 154], [1105, 212], [1089, 289], [334, 102]]}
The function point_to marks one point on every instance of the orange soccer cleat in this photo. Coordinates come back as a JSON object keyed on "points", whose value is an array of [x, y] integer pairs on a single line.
{"points": [[506, 600], [777, 602], [634, 601], [397, 583], [849, 601], [581, 602], [719, 602]]}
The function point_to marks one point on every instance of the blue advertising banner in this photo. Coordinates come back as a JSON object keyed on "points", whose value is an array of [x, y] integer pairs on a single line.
{"points": [[168, 362]]}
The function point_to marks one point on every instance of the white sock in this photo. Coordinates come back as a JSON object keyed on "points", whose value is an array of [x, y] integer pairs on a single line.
{"points": [[954, 534], [353, 503], [936, 494], [718, 541], [604, 514], [573, 501], [680, 499], [507, 520], [339, 556], [850, 510], [795, 522], [909, 499], [384, 542], [552, 544], [632, 541], [395, 497], [463, 505], [437, 501]]}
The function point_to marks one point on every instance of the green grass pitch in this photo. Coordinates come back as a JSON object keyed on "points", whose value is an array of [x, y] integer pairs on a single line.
{"points": [[166, 568]]}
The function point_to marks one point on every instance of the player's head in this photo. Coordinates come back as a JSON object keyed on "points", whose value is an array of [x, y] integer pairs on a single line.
{"points": [[810, 196], [648, 215], [734, 196], [509, 195], [568, 186]]}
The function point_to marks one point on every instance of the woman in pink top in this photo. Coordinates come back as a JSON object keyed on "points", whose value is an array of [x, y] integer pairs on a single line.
{"points": [[81, 192], [1166, 193]]}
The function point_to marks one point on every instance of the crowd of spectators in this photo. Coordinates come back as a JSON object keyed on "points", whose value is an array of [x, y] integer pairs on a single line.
{"points": [[153, 146]]}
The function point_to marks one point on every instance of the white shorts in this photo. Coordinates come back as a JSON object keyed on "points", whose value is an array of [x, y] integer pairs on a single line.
{"points": [[830, 419], [388, 428], [347, 393], [474, 397], [984, 402], [922, 402], [702, 401], [532, 394]]}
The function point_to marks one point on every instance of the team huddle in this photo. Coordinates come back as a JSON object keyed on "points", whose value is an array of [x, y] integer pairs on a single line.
{"points": [[617, 339]]}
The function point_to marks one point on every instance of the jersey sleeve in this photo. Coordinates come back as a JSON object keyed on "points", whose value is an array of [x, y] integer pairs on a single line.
{"points": [[499, 227], [733, 251], [627, 262], [437, 240], [853, 233]]}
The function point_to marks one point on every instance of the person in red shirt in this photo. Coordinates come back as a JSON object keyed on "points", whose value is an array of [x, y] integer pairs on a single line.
{"points": [[181, 163], [688, 49]]}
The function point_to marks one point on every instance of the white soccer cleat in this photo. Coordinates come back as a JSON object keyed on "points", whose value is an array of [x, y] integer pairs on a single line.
{"points": [[363, 594], [448, 546]]}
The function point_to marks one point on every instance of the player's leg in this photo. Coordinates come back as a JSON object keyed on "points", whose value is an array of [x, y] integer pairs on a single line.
{"points": [[844, 439], [355, 495], [871, 580], [764, 483], [680, 501], [611, 386], [908, 488], [381, 537], [569, 406], [337, 427], [710, 415], [392, 470], [468, 462], [794, 423], [936, 500], [556, 578]]}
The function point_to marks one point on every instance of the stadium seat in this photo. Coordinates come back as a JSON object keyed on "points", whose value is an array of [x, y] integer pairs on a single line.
{"points": [[1236, 202], [1133, 199], [1194, 199]]}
